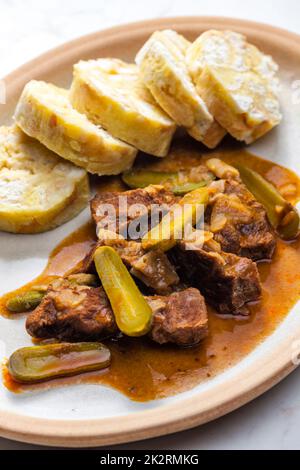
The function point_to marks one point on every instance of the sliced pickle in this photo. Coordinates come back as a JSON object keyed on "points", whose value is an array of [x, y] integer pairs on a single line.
{"points": [[32, 298], [132, 313], [25, 302], [178, 183], [282, 215], [39, 363]]}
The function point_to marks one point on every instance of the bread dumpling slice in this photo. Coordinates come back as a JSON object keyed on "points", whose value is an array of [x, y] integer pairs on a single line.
{"points": [[237, 82], [38, 189], [164, 71], [111, 93], [45, 113]]}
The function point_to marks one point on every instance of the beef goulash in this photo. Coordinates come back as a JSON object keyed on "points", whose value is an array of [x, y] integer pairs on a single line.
{"points": [[162, 289]]}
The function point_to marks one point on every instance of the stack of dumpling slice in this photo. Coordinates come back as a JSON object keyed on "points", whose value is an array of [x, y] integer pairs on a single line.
{"points": [[220, 83]]}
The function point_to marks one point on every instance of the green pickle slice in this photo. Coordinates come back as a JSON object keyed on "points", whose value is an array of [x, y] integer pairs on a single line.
{"points": [[39, 363]]}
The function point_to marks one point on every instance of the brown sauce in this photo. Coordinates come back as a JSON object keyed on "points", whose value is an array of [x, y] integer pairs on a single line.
{"points": [[143, 370]]}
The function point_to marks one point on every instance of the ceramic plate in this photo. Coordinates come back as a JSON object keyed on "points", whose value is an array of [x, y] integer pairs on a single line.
{"points": [[90, 415]]}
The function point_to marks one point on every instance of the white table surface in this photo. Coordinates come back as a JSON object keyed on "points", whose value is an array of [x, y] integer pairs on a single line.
{"points": [[28, 28]]}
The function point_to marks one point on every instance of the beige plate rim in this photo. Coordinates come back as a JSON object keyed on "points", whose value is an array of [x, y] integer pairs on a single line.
{"points": [[168, 418]]}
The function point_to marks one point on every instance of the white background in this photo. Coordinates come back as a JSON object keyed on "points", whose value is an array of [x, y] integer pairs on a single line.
{"points": [[30, 27]]}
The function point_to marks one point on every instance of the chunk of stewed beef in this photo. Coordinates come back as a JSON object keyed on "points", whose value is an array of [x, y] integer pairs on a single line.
{"points": [[227, 281], [72, 313], [180, 318], [240, 223]]}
